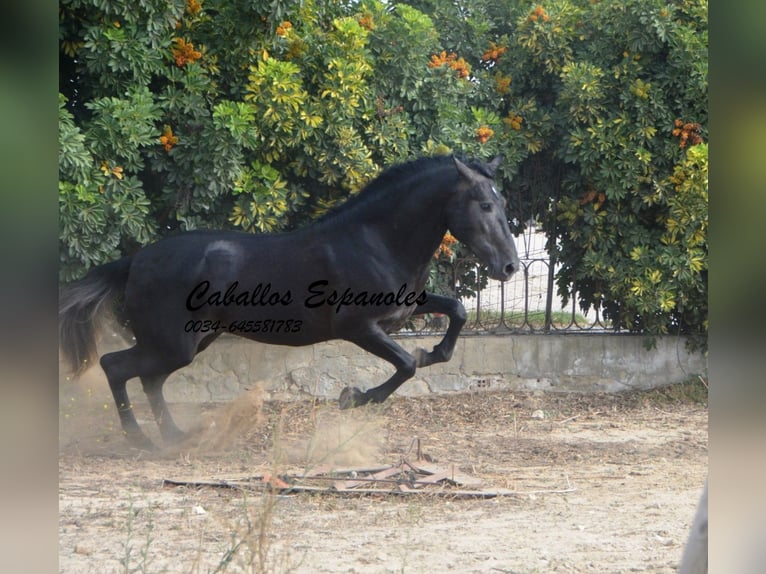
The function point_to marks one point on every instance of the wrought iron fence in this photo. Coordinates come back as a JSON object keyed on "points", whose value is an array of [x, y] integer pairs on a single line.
{"points": [[528, 302]]}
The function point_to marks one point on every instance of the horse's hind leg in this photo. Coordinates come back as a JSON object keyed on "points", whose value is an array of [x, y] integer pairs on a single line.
{"points": [[379, 343], [153, 390], [117, 368], [138, 362]]}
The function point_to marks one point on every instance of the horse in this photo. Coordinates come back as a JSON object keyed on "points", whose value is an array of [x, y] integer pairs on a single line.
{"points": [[356, 273]]}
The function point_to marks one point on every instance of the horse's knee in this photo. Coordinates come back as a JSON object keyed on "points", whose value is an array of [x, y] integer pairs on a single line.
{"points": [[408, 367], [459, 314]]}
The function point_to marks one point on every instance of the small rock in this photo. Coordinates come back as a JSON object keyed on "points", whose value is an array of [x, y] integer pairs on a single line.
{"points": [[199, 510], [664, 540], [538, 414]]}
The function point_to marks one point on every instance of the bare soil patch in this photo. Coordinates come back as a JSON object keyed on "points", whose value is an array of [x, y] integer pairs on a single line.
{"points": [[605, 483]]}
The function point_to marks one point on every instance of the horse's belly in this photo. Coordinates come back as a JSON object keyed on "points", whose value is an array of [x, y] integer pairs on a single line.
{"points": [[396, 320]]}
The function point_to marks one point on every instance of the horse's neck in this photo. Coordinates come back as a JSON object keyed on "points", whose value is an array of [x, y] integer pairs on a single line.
{"points": [[406, 226], [415, 226]]}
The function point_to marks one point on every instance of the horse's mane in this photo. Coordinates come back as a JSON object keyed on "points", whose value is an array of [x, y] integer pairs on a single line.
{"points": [[394, 179]]}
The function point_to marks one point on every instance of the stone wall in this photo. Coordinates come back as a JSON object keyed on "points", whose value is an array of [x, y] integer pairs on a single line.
{"points": [[557, 362]]}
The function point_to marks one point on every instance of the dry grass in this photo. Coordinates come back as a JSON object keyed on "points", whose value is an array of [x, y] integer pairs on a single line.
{"points": [[492, 435]]}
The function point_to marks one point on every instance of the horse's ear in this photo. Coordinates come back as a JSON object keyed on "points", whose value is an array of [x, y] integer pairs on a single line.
{"points": [[495, 163], [464, 170], [470, 174]]}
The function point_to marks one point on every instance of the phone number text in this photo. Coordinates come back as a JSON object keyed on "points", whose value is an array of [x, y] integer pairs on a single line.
{"points": [[258, 326]]}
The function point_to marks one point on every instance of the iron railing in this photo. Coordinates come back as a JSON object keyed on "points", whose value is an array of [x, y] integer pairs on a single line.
{"points": [[528, 302]]}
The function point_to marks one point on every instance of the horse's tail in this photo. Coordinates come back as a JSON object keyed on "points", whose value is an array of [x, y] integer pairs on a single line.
{"points": [[81, 306]]}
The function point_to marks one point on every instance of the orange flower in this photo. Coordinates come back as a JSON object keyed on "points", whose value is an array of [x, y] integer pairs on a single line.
{"points": [[462, 68], [284, 28], [116, 171], [687, 132], [538, 13], [502, 84], [493, 53], [184, 53], [167, 139], [445, 247], [513, 121], [366, 21], [484, 133], [193, 7], [438, 60], [451, 60], [592, 196]]}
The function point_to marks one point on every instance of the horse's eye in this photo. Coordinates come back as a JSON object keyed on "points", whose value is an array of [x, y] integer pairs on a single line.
{"points": [[486, 206]]}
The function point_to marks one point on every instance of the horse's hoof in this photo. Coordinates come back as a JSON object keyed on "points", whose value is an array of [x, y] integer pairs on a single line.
{"points": [[350, 397], [140, 441], [175, 436]]}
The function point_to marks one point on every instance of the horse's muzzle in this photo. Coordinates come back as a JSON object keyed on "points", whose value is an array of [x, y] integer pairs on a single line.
{"points": [[505, 272]]}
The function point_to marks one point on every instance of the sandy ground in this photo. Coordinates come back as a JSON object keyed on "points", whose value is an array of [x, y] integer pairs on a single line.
{"points": [[602, 483]]}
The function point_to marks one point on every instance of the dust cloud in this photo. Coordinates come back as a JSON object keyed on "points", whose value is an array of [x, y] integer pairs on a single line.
{"points": [[89, 425], [341, 439]]}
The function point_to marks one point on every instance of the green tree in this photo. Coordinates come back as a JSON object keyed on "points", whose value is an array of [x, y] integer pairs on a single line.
{"points": [[261, 116], [220, 114], [603, 105]]}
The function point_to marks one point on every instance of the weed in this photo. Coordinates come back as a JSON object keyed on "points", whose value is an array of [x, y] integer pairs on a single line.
{"points": [[251, 547], [692, 391], [143, 558]]}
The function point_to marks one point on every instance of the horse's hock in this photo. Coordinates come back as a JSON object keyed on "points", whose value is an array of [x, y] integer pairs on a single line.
{"points": [[556, 363]]}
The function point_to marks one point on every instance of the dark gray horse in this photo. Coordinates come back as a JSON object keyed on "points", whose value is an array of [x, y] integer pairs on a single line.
{"points": [[356, 274]]}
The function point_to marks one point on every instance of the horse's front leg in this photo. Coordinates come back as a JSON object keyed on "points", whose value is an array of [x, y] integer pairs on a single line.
{"points": [[454, 309], [376, 341]]}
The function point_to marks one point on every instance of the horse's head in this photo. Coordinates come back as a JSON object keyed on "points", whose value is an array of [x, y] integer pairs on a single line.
{"points": [[476, 216]]}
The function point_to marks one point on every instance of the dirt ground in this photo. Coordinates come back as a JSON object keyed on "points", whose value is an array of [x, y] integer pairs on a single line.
{"points": [[602, 483]]}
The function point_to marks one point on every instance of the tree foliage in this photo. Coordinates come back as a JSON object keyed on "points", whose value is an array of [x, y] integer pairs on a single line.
{"points": [[606, 102], [185, 114]]}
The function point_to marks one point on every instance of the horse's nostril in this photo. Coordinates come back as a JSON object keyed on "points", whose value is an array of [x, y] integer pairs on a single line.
{"points": [[510, 268]]}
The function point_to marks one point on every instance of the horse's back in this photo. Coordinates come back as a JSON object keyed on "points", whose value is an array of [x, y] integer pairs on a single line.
{"points": [[165, 274], [188, 255]]}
